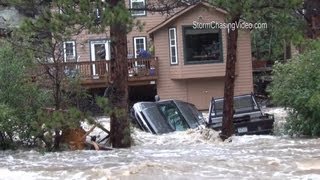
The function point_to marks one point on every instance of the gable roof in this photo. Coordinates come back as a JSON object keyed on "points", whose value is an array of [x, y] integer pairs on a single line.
{"points": [[182, 12]]}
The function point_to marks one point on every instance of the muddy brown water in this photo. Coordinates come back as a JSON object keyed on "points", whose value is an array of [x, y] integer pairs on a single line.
{"points": [[193, 154]]}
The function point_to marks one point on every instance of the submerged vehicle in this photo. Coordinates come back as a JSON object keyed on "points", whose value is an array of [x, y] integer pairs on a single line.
{"points": [[166, 116], [248, 117], [174, 115]]}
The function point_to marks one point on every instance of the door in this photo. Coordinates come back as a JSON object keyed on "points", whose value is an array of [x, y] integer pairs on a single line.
{"points": [[100, 51]]}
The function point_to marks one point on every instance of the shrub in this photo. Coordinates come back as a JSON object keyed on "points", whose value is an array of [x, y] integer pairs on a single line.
{"points": [[19, 98], [296, 86]]}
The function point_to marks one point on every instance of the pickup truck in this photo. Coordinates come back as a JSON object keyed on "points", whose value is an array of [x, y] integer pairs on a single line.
{"points": [[174, 115], [248, 117]]}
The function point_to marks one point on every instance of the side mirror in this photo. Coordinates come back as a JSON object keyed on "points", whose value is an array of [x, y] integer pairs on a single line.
{"points": [[157, 98]]}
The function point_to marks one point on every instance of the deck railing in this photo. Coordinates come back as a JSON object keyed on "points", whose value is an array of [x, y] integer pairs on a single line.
{"points": [[91, 70], [141, 67]]}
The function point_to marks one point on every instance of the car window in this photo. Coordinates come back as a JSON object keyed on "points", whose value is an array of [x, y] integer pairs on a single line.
{"points": [[173, 116], [241, 104], [156, 120], [192, 115]]}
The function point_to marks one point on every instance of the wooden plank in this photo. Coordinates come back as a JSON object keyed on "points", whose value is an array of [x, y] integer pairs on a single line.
{"points": [[145, 71]]}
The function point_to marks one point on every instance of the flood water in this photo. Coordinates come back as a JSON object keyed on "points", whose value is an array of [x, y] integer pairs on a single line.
{"points": [[193, 154]]}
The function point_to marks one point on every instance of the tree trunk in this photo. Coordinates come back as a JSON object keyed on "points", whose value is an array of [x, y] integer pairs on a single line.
{"points": [[228, 111], [57, 96], [57, 99], [57, 86], [120, 126]]}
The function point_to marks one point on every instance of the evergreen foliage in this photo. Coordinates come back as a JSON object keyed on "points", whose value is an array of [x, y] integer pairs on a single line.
{"points": [[19, 98], [59, 20], [246, 10], [285, 28], [56, 23], [296, 86]]}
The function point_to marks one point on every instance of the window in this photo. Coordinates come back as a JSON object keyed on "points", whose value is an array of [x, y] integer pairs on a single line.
{"points": [[97, 16], [173, 116], [139, 43], [69, 48], [138, 4], [202, 45], [173, 45], [100, 51]]}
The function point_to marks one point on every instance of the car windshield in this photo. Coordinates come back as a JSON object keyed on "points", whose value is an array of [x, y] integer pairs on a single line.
{"points": [[193, 116], [173, 116], [156, 120]]}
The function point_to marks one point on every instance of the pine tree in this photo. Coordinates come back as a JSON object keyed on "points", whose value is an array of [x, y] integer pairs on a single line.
{"points": [[120, 126], [61, 19], [312, 15], [241, 10], [115, 15]]}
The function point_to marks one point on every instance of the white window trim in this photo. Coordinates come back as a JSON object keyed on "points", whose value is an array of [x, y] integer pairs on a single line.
{"points": [[106, 45], [137, 14], [135, 45], [92, 53], [175, 45], [73, 49]]}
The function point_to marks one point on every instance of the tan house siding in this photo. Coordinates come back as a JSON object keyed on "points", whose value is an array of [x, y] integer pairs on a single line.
{"points": [[196, 83], [200, 82], [167, 89], [149, 20], [83, 43], [200, 91], [244, 80], [83, 39], [182, 71]]}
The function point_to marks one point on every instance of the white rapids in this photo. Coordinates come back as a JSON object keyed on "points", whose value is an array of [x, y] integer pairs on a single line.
{"points": [[192, 154]]}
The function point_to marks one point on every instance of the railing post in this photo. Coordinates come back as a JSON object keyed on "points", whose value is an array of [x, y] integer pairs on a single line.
{"points": [[137, 67]]}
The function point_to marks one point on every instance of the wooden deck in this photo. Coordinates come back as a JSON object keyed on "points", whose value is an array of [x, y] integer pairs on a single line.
{"points": [[95, 74]]}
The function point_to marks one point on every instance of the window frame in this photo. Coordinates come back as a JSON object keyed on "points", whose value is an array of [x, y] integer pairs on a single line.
{"points": [[186, 62], [135, 44], [93, 57], [171, 46], [144, 13], [74, 49], [107, 44]]}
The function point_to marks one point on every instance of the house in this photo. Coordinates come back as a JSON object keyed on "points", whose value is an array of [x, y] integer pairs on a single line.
{"points": [[189, 61], [192, 60]]}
